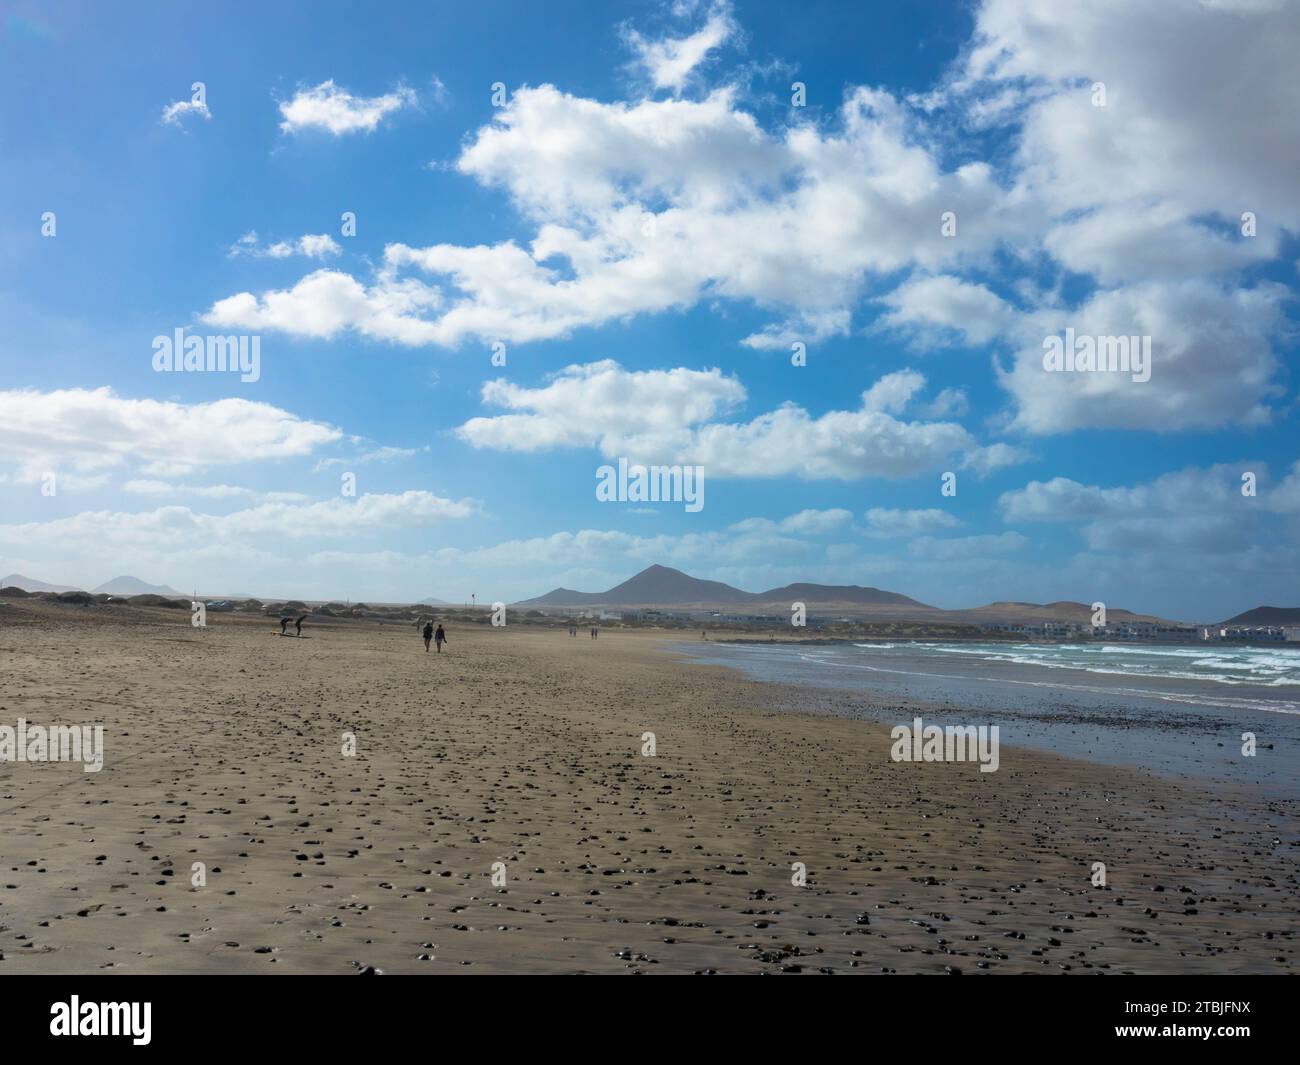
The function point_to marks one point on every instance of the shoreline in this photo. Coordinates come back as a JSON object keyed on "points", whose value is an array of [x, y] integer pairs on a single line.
{"points": [[523, 747], [1175, 725]]}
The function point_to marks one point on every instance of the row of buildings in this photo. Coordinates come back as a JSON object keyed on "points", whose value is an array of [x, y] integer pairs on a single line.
{"points": [[1146, 631], [1069, 630], [1254, 633], [1152, 631]]}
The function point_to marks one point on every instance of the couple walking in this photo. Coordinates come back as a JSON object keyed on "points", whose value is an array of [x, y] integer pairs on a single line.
{"points": [[440, 637]]}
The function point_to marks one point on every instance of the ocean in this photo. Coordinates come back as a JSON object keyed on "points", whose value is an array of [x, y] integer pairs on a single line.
{"points": [[1177, 710]]}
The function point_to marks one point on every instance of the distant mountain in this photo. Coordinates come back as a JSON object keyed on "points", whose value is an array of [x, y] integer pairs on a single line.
{"points": [[837, 593], [29, 584], [133, 586], [563, 597], [662, 586], [1062, 610], [1267, 615], [1011, 613], [433, 602], [653, 586]]}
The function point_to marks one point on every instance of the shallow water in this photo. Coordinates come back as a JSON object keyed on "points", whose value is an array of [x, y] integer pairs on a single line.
{"points": [[1174, 709]]}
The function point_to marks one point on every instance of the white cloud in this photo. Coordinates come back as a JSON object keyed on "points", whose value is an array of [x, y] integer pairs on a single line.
{"points": [[97, 430], [309, 245], [949, 403], [337, 111], [935, 307], [891, 523], [652, 205], [649, 206], [1212, 363], [1285, 499], [176, 111], [893, 392], [155, 533], [1194, 510], [1181, 123], [602, 404], [1142, 241], [666, 416], [670, 61], [377, 454], [994, 457], [809, 522], [165, 488], [816, 522], [326, 302]]}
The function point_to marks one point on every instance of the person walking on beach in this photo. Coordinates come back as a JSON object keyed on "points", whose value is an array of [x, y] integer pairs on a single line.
{"points": [[298, 624], [428, 635], [440, 638]]}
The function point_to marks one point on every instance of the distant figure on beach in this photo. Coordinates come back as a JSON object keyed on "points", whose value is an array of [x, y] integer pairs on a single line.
{"points": [[428, 635], [593, 632], [440, 637], [298, 624], [704, 634], [283, 624]]}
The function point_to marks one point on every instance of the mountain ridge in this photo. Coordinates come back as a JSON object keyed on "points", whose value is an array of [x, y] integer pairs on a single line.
{"points": [[663, 586], [31, 584], [1266, 615], [127, 585]]}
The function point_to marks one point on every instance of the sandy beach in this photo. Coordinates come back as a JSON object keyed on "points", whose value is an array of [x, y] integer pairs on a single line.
{"points": [[522, 745]]}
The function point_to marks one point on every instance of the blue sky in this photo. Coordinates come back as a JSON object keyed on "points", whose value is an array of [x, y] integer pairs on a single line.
{"points": [[648, 225]]}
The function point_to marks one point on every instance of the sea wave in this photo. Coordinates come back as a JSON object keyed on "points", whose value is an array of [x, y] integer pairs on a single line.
{"points": [[1234, 667]]}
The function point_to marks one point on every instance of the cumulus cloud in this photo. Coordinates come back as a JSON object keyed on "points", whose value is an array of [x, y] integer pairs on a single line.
{"points": [[893, 392], [644, 207], [1195, 509], [333, 109], [97, 430], [653, 205], [935, 309], [327, 302], [670, 61], [1172, 133], [604, 405], [667, 416], [1212, 362]]}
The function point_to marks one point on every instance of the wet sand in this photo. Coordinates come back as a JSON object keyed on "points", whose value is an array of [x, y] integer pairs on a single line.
{"points": [[1188, 729], [523, 746]]}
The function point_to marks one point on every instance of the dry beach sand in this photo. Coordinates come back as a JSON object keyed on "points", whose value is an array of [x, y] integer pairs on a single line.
{"points": [[522, 746]]}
